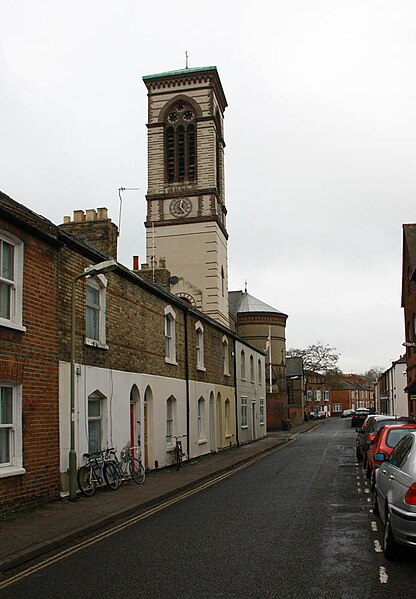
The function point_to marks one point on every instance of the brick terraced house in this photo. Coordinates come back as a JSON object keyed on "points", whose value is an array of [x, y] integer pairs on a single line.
{"points": [[154, 353]]}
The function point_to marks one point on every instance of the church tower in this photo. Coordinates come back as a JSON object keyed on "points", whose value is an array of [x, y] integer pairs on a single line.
{"points": [[186, 213]]}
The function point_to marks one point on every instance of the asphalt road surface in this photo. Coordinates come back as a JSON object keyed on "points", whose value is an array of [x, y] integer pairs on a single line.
{"points": [[296, 524]]}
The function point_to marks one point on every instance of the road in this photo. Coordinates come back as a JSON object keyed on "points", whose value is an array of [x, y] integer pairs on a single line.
{"points": [[296, 524]]}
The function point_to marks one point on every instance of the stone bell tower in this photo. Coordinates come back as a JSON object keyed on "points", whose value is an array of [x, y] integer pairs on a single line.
{"points": [[186, 213]]}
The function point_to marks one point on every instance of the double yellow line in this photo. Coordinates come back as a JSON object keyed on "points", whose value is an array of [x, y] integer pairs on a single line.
{"points": [[125, 524]]}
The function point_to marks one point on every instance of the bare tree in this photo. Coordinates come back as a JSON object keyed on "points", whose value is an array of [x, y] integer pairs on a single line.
{"points": [[317, 357], [372, 375]]}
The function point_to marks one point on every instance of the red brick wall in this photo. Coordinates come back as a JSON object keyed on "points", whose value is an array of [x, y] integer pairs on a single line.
{"points": [[276, 410], [31, 359]]}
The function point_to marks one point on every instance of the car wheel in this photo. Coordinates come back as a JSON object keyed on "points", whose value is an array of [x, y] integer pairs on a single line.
{"points": [[368, 471], [364, 461], [358, 454], [389, 542]]}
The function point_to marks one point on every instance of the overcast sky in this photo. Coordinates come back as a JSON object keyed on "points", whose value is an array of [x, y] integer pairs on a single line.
{"points": [[320, 131]]}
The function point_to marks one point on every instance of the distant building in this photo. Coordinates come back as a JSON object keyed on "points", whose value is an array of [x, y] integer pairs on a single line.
{"points": [[391, 395], [351, 392]]}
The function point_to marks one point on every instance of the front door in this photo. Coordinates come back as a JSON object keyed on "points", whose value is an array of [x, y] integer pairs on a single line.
{"points": [[146, 437]]}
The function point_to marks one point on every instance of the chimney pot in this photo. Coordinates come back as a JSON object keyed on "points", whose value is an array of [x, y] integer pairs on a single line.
{"points": [[79, 216]]}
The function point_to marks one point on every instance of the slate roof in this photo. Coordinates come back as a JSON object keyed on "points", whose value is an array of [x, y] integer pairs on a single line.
{"points": [[241, 301]]}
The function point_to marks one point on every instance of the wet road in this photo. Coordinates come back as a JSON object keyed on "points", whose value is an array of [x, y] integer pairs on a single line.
{"points": [[295, 524]]}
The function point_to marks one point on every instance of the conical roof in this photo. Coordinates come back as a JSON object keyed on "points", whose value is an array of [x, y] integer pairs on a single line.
{"points": [[242, 302]]}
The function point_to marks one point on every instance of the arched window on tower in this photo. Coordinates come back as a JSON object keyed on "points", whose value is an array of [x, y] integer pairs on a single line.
{"points": [[180, 143], [218, 151]]}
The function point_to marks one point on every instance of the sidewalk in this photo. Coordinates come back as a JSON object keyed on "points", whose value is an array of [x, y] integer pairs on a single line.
{"points": [[33, 534]]}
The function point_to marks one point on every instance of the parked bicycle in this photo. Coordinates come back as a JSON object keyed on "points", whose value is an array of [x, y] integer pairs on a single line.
{"points": [[128, 466], [96, 472], [177, 452]]}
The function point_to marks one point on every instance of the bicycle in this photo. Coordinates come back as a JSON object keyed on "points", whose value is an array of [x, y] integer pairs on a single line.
{"points": [[177, 452], [127, 466], [95, 472]]}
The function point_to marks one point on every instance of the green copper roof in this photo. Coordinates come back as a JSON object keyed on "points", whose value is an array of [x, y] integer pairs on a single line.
{"points": [[180, 72]]}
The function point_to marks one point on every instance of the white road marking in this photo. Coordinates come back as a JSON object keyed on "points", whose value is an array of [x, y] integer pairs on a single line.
{"points": [[374, 526], [384, 577], [377, 547]]}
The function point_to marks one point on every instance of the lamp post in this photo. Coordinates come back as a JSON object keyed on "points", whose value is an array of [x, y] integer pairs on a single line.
{"points": [[90, 271]]}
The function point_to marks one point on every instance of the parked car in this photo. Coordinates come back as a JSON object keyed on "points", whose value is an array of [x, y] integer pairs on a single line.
{"points": [[321, 415], [347, 413], [369, 429], [383, 444], [394, 496], [360, 414]]}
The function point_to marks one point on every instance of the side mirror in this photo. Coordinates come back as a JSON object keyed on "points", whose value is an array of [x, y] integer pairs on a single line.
{"points": [[379, 457]]}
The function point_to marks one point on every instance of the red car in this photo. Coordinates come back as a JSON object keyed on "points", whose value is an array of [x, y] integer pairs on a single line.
{"points": [[383, 444]]}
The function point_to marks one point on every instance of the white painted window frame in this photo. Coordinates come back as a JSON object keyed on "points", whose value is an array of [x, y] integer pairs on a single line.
{"points": [[199, 346], [261, 411], [244, 412], [243, 365], [15, 466], [225, 356], [99, 283], [170, 336], [16, 284]]}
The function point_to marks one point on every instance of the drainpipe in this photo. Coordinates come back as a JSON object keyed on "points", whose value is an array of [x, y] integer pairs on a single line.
{"points": [[188, 441], [236, 396]]}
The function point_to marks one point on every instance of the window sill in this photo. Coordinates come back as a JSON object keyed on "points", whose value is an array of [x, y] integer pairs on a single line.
{"points": [[228, 436], [95, 343], [12, 325], [202, 441], [201, 368], [170, 361], [11, 471], [244, 426]]}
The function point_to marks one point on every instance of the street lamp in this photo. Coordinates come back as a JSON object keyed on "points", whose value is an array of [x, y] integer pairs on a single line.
{"points": [[90, 271]]}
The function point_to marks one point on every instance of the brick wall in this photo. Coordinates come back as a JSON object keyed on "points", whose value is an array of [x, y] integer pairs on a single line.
{"points": [[31, 359], [135, 328]]}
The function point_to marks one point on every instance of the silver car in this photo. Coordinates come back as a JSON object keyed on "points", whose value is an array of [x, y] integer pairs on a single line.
{"points": [[395, 495]]}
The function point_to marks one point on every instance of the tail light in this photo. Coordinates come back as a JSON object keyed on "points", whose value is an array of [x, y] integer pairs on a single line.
{"points": [[371, 437], [410, 497]]}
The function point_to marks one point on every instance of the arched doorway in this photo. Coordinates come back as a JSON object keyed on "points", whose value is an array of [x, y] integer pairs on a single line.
{"points": [[220, 434], [147, 424], [212, 423], [135, 416]]}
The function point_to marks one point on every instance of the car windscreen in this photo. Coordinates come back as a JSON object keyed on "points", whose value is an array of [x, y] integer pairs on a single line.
{"points": [[379, 423], [396, 434]]}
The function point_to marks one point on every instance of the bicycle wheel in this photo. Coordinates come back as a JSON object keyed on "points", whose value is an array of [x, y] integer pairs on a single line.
{"points": [[111, 476], [86, 481], [136, 471]]}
